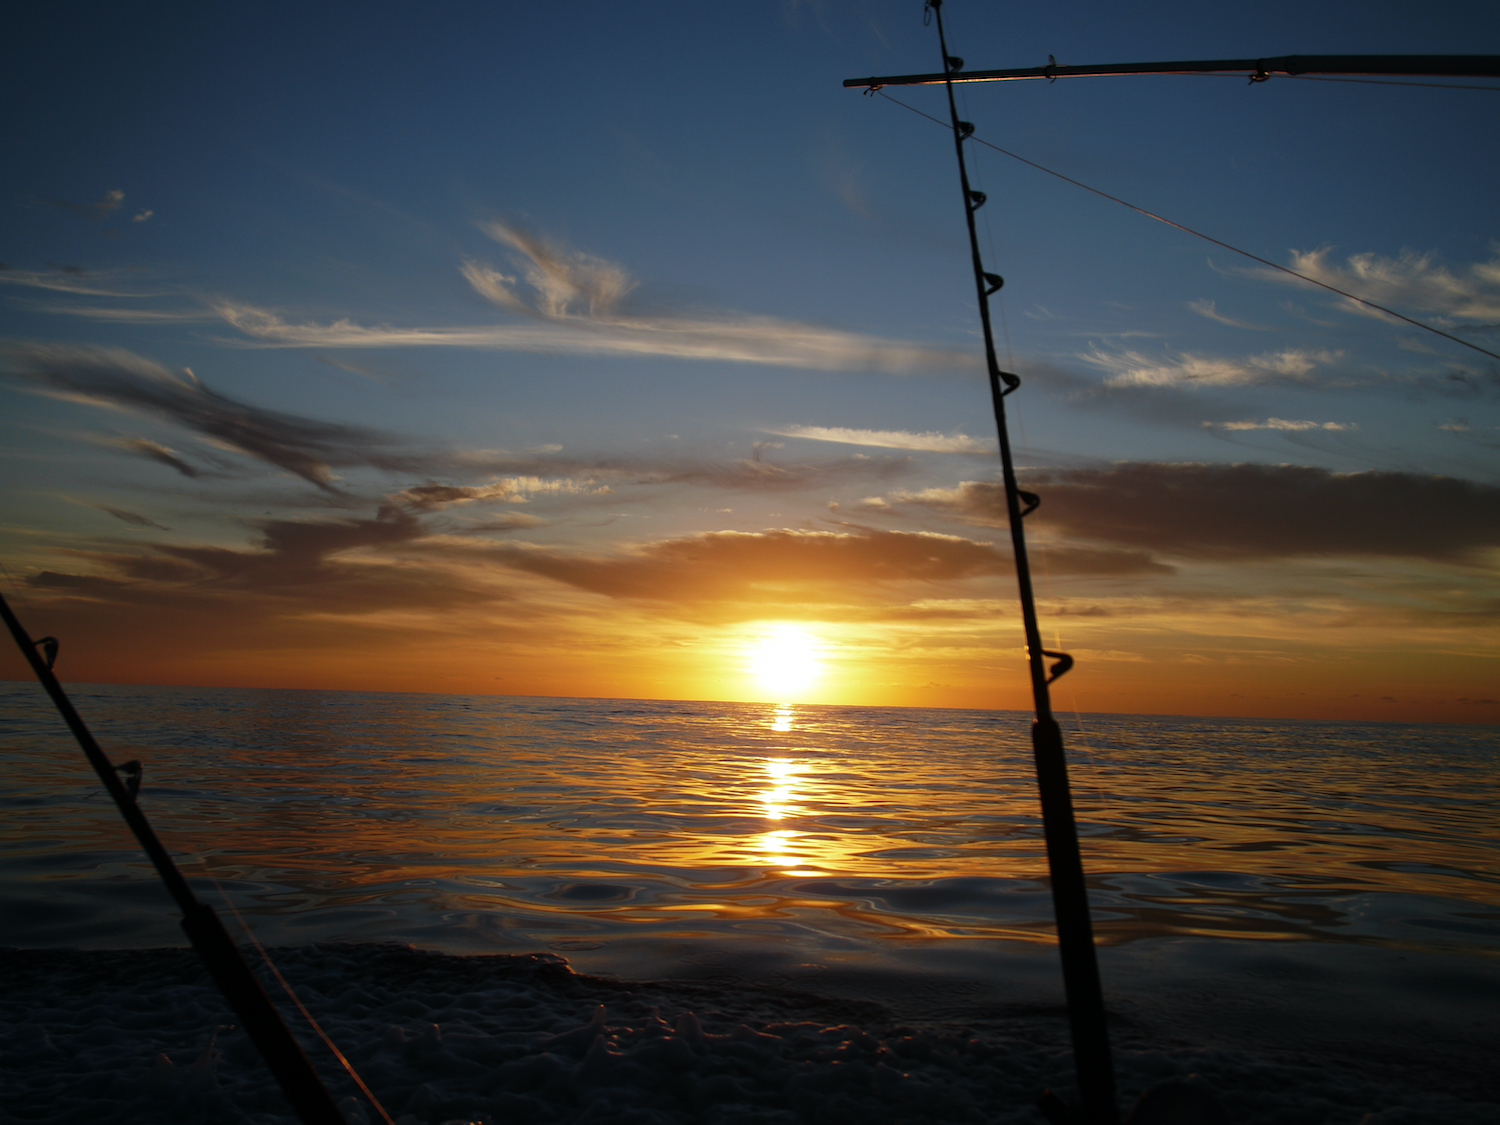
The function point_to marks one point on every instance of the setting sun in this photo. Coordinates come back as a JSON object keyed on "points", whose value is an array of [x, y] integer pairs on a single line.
{"points": [[785, 661]]}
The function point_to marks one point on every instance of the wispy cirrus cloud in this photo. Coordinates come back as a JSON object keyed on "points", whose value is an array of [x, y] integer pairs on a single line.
{"points": [[1281, 424], [69, 279], [155, 451], [132, 316], [532, 474], [1133, 369], [775, 565], [761, 340], [560, 284], [124, 515], [102, 208], [509, 490], [925, 442], [1410, 281], [119, 380], [579, 304], [1210, 310]]}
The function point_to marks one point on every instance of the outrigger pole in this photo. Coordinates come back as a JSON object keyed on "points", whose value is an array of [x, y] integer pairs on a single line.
{"points": [[247, 999], [1257, 70]]}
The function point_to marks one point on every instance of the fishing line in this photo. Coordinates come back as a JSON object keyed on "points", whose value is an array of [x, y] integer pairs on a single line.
{"points": [[999, 298], [89, 796], [1082, 782], [1018, 409], [989, 241], [288, 1063], [292, 995], [242, 990], [1125, 904], [976, 179], [228, 902], [1199, 234], [1010, 355], [1088, 1027]]}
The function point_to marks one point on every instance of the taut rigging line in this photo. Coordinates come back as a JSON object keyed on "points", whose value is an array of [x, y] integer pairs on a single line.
{"points": [[1196, 233], [1314, 68], [1069, 894]]}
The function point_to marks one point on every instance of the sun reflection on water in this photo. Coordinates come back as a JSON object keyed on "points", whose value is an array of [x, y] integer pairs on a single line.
{"points": [[782, 774], [779, 846], [788, 784]]}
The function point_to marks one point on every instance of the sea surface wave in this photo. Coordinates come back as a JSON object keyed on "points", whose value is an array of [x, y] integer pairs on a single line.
{"points": [[612, 830]]}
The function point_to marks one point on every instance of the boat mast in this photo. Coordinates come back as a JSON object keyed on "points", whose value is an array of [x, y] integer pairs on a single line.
{"points": [[1070, 904]]}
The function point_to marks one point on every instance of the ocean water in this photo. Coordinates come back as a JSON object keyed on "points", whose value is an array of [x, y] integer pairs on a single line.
{"points": [[1278, 886], [481, 824]]}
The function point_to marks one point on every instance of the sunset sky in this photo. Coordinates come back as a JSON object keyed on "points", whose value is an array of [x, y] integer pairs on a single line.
{"points": [[605, 349]]}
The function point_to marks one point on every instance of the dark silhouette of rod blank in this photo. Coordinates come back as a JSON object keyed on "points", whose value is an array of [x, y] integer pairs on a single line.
{"points": [[1075, 937], [1429, 66]]}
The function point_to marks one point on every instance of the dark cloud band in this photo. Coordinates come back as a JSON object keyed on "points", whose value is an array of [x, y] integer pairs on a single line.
{"points": [[113, 377], [1249, 511]]}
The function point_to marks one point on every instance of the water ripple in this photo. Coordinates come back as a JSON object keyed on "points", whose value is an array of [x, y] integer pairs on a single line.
{"points": [[505, 824]]}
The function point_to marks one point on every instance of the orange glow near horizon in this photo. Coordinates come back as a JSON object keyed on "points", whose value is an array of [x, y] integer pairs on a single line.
{"points": [[1152, 659]]}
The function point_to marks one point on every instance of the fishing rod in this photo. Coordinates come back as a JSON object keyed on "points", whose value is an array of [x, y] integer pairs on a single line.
{"points": [[313, 1104], [1070, 904]]}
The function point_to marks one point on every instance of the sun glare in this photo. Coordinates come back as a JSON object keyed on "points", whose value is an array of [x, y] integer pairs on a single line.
{"points": [[785, 661]]}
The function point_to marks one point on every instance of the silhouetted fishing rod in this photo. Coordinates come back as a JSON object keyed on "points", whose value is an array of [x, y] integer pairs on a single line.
{"points": [[1075, 937], [247, 999]]}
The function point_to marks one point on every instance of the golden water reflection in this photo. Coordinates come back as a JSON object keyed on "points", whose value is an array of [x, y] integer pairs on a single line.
{"points": [[581, 818], [782, 775], [790, 851]]}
